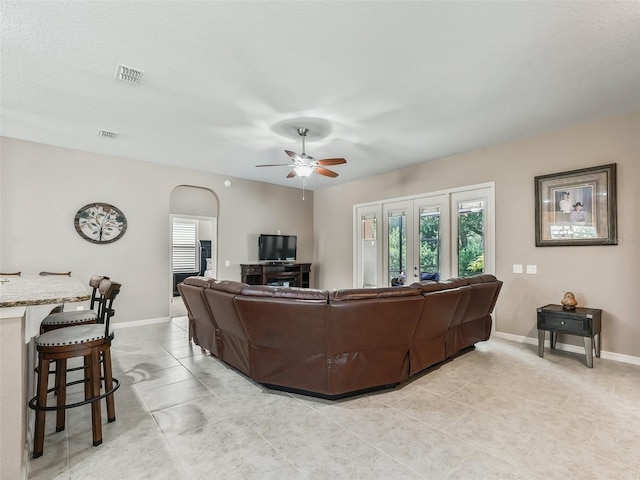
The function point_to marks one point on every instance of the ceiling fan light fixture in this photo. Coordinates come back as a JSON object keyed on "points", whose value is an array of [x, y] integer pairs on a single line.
{"points": [[304, 165], [303, 170]]}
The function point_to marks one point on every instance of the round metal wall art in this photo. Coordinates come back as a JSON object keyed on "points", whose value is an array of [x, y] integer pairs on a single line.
{"points": [[100, 223]]}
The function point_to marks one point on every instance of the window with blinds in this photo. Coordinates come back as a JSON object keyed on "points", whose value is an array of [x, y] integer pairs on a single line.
{"points": [[184, 251]]}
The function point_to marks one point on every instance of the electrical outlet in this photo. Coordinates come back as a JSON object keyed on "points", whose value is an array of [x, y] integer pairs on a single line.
{"points": [[532, 269], [227, 263]]}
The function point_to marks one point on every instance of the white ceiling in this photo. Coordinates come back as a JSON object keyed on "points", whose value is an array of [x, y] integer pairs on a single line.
{"points": [[384, 84]]}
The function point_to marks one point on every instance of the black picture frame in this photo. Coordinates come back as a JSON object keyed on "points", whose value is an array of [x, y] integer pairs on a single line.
{"points": [[577, 207]]}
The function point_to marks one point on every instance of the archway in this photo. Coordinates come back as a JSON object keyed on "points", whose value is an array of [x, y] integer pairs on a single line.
{"points": [[193, 227]]}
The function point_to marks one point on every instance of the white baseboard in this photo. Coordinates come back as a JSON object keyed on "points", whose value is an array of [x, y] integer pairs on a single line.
{"points": [[138, 323], [618, 357]]}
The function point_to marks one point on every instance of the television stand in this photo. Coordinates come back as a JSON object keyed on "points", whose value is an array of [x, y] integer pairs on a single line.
{"points": [[276, 274]]}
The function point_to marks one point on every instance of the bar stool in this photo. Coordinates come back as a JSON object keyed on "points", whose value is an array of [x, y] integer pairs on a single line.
{"points": [[78, 317], [93, 343]]}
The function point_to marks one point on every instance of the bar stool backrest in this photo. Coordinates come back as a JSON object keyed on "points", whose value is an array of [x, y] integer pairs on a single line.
{"points": [[109, 291], [13, 274], [43, 274], [94, 283]]}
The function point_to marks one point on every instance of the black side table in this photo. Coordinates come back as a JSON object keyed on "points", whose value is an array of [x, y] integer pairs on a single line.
{"points": [[585, 322]]}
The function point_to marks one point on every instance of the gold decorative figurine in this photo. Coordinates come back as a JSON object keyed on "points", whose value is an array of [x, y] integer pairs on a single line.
{"points": [[569, 301]]}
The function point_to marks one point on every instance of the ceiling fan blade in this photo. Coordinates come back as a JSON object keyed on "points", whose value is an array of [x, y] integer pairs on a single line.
{"points": [[326, 172], [275, 165], [331, 161], [293, 155], [292, 174]]}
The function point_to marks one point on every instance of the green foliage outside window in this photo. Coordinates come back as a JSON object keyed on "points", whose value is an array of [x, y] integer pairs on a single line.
{"points": [[470, 243], [430, 243], [397, 245]]}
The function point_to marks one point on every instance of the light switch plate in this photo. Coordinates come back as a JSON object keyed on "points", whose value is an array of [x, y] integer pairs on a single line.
{"points": [[532, 269], [517, 268]]}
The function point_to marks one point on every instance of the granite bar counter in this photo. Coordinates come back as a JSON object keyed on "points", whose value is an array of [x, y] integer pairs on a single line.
{"points": [[39, 293], [24, 302]]}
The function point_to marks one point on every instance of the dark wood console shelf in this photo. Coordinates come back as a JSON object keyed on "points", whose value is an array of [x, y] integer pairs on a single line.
{"points": [[277, 274]]}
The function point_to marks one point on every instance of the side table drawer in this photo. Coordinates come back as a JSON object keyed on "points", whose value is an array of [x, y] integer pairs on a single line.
{"points": [[564, 324]]}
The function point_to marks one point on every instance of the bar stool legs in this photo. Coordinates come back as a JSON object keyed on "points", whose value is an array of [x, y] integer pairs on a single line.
{"points": [[61, 393], [38, 442], [96, 358], [108, 385], [94, 388]]}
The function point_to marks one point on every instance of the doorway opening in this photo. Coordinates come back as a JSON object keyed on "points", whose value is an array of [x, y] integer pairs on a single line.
{"points": [[193, 239]]}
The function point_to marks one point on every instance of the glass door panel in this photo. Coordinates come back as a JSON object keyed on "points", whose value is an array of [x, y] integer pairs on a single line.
{"points": [[429, 243], [471, 234], [399, 244], [397, 252], [368, 252]]}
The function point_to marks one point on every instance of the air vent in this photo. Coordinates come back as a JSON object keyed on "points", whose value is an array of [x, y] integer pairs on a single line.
{"points": [[128, 74], [106, 134]]}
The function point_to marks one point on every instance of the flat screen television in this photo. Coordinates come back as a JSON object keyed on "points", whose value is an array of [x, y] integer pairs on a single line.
{"points": [[277, 248]]}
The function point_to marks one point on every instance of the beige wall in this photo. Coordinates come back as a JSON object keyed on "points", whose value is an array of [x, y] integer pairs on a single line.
{"points": [[604, 277], [42, 188]]}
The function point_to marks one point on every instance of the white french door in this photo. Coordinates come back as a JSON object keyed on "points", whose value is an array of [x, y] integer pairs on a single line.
{"points": [[426, 237], [473, 231], [416, 234]]}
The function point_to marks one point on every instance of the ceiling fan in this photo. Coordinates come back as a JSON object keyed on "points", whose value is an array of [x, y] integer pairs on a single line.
{"points": [[304, 165]]}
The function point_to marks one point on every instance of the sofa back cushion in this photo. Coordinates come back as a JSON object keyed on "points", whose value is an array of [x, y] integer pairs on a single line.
{"points": [[428, 346], [201, 325], [369, 333], [477, 317], [286, 329], [233, 346], [295, 293], [474, 324]]}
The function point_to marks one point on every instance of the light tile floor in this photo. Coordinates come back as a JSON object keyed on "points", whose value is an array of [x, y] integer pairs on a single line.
{"points": [[497, 412]]}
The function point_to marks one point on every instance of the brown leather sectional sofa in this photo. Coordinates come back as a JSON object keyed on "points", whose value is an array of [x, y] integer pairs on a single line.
{"points": [[341, 342]]}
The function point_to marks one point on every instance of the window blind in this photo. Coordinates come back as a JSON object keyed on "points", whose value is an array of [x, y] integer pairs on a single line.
{"points": [[184, 246]]}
